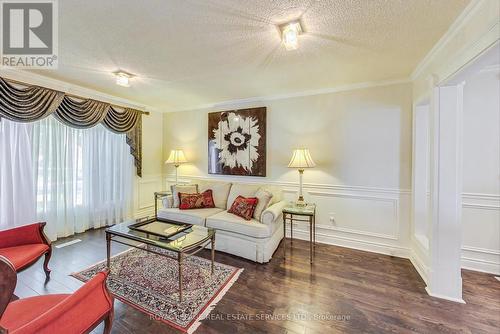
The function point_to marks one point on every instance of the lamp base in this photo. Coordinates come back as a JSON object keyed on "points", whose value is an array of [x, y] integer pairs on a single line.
{"points": [[301, 202]]}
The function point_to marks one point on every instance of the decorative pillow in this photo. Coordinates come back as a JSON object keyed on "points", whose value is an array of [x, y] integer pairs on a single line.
{"points": [[241, 189], [244, 207], [276, 191], [196, 201], [264, 199], [220, 191], [187, 188]]}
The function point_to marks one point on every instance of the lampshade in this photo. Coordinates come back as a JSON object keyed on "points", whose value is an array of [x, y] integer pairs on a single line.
{"points": [[176, 157], [301, 158]]}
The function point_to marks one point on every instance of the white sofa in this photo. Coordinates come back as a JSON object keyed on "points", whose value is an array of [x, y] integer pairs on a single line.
{"points": [[256, 239]]}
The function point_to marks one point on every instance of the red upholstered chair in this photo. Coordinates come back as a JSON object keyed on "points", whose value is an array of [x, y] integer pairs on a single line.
{"points": [[24, 245], [75, 313]]}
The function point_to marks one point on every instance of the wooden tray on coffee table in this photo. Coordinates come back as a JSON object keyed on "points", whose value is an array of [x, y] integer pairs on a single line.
{"points": [[160, 228]]}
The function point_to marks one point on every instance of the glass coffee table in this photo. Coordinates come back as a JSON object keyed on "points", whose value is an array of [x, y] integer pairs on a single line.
{"points": [[183, 239]]}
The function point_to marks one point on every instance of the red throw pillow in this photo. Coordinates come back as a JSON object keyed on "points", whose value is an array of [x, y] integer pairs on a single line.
{"points": [[244, 207], [196, 201]]}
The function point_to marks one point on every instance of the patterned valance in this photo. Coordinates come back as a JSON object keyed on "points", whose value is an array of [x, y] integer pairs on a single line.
{"points": [[33, 103], [81, 114], [121, 121], [27, 104]]}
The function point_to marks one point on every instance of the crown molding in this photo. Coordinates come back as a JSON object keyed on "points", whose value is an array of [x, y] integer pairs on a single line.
{"points": [[41, 80], [321, 91], [44, 81], [461, 21]]}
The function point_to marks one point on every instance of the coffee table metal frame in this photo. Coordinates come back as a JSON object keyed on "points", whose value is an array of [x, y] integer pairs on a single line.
{"points": [[182, 253]]}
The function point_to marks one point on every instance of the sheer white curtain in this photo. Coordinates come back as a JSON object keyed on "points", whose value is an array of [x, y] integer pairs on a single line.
{"points": [[17, 197], [84, 177]]}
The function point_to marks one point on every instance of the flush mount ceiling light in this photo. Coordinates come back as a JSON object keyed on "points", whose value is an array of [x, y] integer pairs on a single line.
{"points": [[123, 78], [290, 34]]}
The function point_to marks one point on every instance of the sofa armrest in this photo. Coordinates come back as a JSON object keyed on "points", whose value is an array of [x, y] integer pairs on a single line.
{"points": [[272, 213], [23, 235], [168, 201]]}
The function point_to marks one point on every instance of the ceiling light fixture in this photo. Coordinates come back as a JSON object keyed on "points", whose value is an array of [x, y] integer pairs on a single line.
{"points": [[123, 78], [290, 34]]}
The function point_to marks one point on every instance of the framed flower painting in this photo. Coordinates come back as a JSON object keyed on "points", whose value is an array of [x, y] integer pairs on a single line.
{"points": [[237, 142]]}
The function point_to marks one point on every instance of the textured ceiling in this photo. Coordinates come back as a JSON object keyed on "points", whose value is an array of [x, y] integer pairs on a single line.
{"points": [[187, 53]]}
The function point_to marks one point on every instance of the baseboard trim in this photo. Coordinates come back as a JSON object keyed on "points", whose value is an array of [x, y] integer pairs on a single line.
{"points": [[456, 300], [363, 245], [420, 267], [483, 266]]}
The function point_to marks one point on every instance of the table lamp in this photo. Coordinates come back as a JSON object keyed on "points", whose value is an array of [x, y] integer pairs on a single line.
{"points": [[301, 159], [176, 158]]}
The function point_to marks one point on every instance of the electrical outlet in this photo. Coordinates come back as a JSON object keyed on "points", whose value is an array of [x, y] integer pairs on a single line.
{"points": [[332, 217]]}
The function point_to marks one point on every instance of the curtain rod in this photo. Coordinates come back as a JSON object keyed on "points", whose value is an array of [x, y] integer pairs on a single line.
{"points": [[68, 94]]}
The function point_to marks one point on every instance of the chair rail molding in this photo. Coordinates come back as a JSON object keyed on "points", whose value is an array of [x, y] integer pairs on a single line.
{"points": [[290, 185], [374, 219]]}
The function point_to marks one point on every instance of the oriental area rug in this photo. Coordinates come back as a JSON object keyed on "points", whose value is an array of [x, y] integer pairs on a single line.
{"points": [[149, 283]]}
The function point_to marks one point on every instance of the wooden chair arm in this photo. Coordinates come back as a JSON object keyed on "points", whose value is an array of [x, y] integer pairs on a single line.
{"points": [[8, 281]]}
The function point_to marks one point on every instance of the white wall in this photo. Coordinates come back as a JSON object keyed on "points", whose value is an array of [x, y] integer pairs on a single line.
{"points": [[481, 172], [361, 142]]}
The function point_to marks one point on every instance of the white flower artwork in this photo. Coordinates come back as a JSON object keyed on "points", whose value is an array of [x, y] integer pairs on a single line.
{"points": [[235, 140]]}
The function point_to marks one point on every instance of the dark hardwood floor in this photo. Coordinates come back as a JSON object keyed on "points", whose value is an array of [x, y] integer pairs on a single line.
{"points": [[345, 291]]}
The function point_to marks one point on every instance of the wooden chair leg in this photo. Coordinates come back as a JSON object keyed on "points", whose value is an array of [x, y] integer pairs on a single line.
{"points": [[108, 322], [46, 263]]}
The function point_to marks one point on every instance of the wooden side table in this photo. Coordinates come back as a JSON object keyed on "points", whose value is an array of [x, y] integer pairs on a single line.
{"points": [[307, 214], [159, 195]]}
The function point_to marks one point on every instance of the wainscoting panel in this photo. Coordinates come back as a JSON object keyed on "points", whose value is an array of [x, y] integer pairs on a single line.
{"points": [[145, 189], [372, 219], [365, 218], [358, 214], [481, 232], [358, 218]]}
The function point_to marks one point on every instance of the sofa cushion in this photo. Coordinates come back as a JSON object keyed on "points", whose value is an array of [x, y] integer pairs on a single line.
{"points": [[21, 256], [23, 311], [195, 216], [226, 221], [276, 191], [264, 197], [168, 201], [241, 189], [196, 201], [220, 191], [178, 188]]}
